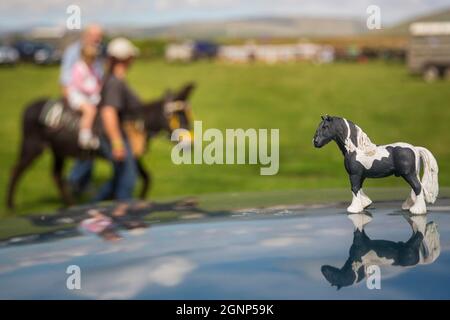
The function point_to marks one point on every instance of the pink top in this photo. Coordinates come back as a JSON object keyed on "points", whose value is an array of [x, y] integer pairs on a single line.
{"points": [[96, 225], [84, 80]]}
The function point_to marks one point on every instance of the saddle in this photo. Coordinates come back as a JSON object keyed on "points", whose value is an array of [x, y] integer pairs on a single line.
{"points": [[58, 117]]}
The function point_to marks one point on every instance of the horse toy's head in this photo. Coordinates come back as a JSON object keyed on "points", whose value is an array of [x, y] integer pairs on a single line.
{"points": [[326, 131]]}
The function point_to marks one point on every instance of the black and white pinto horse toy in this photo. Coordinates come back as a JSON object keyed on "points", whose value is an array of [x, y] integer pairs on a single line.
{"points": [[363, 159]]}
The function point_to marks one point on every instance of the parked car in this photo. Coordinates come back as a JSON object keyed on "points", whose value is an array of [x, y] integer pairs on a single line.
{"points": [[47, 55], [205, 50], [8, 55], [37, 52], [191, 51], [179, 52], [259, 251]]}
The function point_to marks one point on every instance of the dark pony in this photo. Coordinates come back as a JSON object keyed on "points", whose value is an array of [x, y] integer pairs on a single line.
{"points": [[363, 159], [170, 112]]}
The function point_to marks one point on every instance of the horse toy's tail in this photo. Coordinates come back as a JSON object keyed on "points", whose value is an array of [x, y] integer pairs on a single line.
{"points": [[430, 175]]}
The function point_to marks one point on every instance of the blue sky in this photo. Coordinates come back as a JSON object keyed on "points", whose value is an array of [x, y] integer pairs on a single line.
{"points": [[23, 13]]}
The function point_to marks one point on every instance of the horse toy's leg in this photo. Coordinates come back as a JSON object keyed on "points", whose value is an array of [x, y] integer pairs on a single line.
{"points": [[424, 190], [409, 202], [357, 201], [417, 198], [365, 200], [360, 200]]}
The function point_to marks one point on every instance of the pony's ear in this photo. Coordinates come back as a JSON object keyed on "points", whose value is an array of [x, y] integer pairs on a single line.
{"points": [[168, 95], [191, 84], [326, 117]]}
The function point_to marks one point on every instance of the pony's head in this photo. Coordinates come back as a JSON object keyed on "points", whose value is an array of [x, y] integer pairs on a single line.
{"points": [[169, 113], [177, 114], [326, 131]]}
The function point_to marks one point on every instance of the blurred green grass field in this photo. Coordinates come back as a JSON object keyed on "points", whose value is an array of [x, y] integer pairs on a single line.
{"points": [[383, 99]]}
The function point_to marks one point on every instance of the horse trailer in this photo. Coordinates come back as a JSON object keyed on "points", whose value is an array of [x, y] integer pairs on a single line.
{"points": [[429, 50]]}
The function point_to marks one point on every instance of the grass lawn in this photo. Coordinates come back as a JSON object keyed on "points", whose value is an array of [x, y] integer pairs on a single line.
{"points": [[383, 99]]}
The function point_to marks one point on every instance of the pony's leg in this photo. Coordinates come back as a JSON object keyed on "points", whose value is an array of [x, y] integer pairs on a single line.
{"points": [[409, 202], [58, 166], [419, 206], [146, 179], [30, 150], [356, 206]]}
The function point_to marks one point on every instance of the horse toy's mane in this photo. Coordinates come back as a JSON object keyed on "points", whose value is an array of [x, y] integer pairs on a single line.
{"points": [[363, 142]]}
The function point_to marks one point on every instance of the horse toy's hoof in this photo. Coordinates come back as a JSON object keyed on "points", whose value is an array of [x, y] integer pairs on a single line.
{"points": [[418, 209], [355, 209], [407, 204], [364, 159]]}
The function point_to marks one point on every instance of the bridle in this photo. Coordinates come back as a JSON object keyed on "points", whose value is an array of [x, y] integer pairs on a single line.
{"points": [[170, 113]]}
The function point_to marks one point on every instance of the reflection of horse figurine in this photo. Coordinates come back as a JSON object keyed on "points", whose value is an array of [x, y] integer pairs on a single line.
{"points": [[161, 115], [363, 159], [423, 247]]}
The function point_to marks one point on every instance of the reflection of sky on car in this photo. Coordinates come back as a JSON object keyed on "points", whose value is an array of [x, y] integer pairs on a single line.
{"points": [[238, 257]]}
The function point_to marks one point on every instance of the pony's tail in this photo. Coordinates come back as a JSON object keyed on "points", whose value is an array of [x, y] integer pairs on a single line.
{"points": [[429, 181]]}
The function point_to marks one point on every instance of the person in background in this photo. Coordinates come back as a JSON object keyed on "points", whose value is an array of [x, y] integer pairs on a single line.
{"points": [[81, 173], [91, 36], [83, 94], [118, 100]]}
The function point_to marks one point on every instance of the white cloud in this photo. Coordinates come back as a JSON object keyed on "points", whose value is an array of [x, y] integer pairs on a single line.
{"points": [[285, 241], [126, 283]]}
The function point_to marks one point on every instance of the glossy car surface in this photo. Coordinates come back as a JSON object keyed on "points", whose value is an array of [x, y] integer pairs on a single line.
{"points": [[277, 252]]}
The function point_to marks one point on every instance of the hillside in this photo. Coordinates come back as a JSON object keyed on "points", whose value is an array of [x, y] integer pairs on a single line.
{"points": [[402, 29], [265, 27]]}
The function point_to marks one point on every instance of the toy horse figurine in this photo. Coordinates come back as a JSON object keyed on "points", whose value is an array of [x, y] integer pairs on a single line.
{"points": [[363, 159]]}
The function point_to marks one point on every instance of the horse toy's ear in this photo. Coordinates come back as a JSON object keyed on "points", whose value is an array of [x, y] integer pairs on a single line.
{"points": [[326, 117]]}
